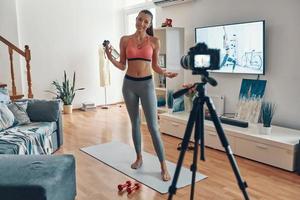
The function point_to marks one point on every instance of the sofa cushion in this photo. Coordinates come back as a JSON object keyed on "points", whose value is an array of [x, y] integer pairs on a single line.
{"points": [[4, 96], [19, 111], [37, 177], [8, 148], [39, 127], [6, 117], [43, 110], [34, 138]]}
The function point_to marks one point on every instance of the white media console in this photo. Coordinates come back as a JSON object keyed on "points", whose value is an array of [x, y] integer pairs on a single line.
{"points": [[278, 149]]}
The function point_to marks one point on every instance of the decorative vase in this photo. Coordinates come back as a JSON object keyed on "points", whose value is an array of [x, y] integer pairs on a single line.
{"points": [[68, 109], [265, 130]]}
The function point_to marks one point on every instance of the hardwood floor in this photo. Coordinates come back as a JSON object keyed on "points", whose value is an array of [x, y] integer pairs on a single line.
{"points": [[97, 181]]}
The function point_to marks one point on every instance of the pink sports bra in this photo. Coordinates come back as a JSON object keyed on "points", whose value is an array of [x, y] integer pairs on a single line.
{"points": [[143, 53]]}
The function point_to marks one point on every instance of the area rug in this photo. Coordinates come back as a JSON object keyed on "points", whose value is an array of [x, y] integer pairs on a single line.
{"points": [[120, 156]]}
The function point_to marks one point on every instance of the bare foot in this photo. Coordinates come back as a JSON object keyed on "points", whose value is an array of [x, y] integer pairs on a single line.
{"points": [[137, 164], [165, 175], [164, 171]]}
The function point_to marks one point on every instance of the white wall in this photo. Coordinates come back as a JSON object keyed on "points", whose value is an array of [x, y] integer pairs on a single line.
{"points": [[282, 48], [8, 30], [66, 35]]}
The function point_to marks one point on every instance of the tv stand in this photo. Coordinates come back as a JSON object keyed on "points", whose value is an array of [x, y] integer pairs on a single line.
{"points": [[279, 149]]}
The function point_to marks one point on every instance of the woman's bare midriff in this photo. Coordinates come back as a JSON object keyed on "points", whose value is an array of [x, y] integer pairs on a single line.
{"points": [[139, 68]]}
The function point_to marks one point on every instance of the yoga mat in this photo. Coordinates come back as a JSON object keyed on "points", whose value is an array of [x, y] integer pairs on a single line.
{"points": [[120, 156]]}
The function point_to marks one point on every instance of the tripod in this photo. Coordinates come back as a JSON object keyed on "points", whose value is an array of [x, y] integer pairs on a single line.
{"points": [[197, 117]]}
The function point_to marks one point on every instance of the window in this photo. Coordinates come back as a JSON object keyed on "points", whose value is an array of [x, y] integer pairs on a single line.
{"points": [[135, 2], [132, 10]]}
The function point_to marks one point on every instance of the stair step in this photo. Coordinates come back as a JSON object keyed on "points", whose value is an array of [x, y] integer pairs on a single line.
{"points": [[15, 97], [3, 85]]}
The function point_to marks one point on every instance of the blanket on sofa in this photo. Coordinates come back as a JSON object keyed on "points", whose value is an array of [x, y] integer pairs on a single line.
{"points": [[28, 139]]}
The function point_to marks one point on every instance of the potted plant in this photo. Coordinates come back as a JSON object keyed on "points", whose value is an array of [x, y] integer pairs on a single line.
{"points": [[266, 116], [66, 92]]}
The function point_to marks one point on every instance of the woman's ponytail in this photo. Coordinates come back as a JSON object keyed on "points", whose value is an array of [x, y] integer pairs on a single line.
{"points": [[149, 30]]}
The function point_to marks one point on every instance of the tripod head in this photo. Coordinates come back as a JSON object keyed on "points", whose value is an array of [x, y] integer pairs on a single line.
{"points": [[205, 78]]}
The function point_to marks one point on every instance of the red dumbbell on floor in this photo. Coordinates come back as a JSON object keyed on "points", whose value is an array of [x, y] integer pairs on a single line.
{"points": [[135, 187], [125, 185]]}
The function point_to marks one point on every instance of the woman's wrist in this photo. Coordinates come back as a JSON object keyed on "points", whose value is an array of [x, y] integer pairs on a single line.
{"points": [[110, 57]]}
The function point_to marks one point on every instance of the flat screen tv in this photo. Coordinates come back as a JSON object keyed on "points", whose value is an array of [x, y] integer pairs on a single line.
{"points": [[241, 45]]}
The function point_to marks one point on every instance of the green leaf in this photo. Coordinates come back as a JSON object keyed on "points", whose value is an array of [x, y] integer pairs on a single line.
{"points": [[267, 113], [65, 90]]}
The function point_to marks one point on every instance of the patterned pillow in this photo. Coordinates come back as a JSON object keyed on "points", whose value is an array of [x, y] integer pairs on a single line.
{"points": [[4, 96], [19, 111], [6, 117]]}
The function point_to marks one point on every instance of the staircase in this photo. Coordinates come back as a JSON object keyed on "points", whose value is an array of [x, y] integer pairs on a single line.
{"points": [[26, 54]]}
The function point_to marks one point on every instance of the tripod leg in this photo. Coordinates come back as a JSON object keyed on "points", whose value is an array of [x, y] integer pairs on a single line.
{"points": [[242, 184], [198, 136], [184, 145]]}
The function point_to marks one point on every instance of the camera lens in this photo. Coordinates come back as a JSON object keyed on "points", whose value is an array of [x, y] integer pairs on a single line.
{"points": [[184, 61]]}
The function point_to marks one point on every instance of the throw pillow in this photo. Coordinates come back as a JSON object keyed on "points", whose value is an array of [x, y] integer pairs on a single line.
{"points": [[19, 111], [6, 117], [43, 110], [4, 96]]}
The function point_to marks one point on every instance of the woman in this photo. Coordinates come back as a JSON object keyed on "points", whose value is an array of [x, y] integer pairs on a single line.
{"points": [[141, 50]]}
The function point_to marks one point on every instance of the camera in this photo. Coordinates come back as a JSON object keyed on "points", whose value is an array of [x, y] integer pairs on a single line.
{"points": [[201, 58]]}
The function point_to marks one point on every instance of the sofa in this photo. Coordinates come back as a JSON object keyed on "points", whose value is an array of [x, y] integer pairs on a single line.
{"points": [[29, 130], [29, 126]]}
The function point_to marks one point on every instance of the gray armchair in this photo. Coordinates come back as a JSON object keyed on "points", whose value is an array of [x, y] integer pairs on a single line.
{"points": [[37, 177]]}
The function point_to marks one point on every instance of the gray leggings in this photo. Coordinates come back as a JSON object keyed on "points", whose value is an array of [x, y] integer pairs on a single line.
{"points": [[142, 88]]}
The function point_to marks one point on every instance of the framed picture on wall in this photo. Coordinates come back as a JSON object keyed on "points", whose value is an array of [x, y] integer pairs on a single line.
{"points": [[162, 60]]}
